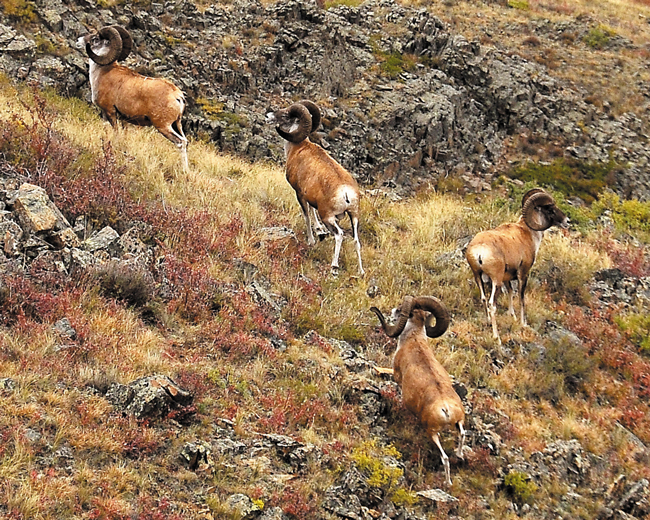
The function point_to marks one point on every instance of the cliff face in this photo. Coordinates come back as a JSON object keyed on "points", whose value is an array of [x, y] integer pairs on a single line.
{"points": [[406, 100]]}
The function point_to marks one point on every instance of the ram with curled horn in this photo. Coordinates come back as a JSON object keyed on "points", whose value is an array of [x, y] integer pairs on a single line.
{"points": [[123, 94], [499, 256], [323, 187], [427, 389]]}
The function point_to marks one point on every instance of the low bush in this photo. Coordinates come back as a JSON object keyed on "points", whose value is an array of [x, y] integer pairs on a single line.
{"points": [[570, 176], [519, 487], [130, 284]]}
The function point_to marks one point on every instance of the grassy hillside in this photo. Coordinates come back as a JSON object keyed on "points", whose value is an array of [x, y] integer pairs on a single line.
{"points": [[199, 322]]}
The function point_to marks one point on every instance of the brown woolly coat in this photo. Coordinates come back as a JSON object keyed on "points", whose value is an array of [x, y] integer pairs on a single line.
{"points": [[427, 389]]}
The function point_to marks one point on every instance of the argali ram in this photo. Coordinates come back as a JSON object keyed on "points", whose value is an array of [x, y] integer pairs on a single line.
{"points": [[122, 93], [427, 389], [322, 185], [498, 256]]}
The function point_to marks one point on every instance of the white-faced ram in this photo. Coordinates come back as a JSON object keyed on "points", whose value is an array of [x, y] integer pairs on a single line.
{"points": [[322, 185], [123, 94], [427, 389], [499, 256]]}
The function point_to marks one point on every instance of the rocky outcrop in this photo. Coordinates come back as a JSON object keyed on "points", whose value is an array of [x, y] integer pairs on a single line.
{"points": [[152, 396], [389, 118]]}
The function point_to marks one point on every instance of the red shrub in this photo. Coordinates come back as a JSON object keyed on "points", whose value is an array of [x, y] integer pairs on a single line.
{"points": [[629, 258], [296, 504]]}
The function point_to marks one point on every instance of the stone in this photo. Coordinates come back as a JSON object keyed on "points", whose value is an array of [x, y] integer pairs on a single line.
{"points": [[100, 240], [6, 383], [35, 211], [151, 396], [276, 233], [16, 44], [437, 495], [195, 454], [65, 328], [65, 238], [243, 506], [10, 235], [273, 513], [81, 260], [32, 435]]}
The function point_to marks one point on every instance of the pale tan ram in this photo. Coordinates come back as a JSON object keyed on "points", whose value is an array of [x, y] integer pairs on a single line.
{"points": [[123, 94], [499, 256], [323, 187], [427, 389]]}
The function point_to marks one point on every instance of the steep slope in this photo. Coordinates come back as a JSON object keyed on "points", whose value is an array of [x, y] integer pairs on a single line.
{"points": [[169, 348]]}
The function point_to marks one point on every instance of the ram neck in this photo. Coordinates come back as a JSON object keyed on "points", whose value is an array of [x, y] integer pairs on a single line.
{"points": [[290, 147], [536, 236], [93, 76], [411, 331]]}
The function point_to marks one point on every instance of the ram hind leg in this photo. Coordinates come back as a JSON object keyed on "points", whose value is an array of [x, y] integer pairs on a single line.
{"points": [[511, 295], [444, 457], [481, 288], [523, 281], [461, 440], [335, 229], [177, 137], [492, 311], [357, 244]]}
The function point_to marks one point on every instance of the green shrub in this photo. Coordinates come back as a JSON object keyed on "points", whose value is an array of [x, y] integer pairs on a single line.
{"points": [[563, 366], [19, 10], [599, 37], [403, 497], [570, 176], [519, 487], [395, 63], [630, 216], [519, 4], [638, 328], [350, 333], [370, 458]]}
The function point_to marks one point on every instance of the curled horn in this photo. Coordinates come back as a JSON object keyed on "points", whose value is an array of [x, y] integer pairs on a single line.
{"points": [[315, 113], [405, 312], [304, 121], [535, 200], [438, 311], [115, 46], [127, 42], [529, 194]]}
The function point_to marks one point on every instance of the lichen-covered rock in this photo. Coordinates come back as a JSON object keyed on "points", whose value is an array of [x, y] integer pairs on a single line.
{"points": [[194, 454], [65, 328], [437, 496], [101, 240], [35, 211], [6, 383], [243, 506], [151, 396]]}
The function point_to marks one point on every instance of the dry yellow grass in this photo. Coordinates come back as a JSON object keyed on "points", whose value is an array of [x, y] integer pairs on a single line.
{"points": [[409, 247]]}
